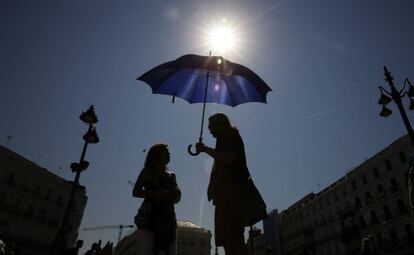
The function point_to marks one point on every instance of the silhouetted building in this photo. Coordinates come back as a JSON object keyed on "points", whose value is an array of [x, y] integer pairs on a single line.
{"points": [[32, 203], [191, 240], [370, 200], [271, 231], [256, 242]]}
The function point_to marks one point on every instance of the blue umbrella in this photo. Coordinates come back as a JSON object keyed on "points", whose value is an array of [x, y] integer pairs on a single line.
{"points": [[206, 79]]}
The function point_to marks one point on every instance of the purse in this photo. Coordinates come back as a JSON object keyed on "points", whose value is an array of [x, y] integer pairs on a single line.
{"points": [[142, 219], [255, 205]]}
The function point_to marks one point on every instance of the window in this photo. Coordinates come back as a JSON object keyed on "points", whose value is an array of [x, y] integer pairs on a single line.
{"points": [[358, 203], [409, 232], [362, 221], [354, 185], [374, 218], [394, 185], [368, 197], [41, 216], [25, 185], [388, 164], [380, 188], [37, 190], [59, 200], [380, 239], [16, 206], [403, 158], [376, 173], [380, 191], [344, 191], [387, 213], [393, 234], [11, 181], [29, 212], [364, 179], [47, 197], [402, 209]]}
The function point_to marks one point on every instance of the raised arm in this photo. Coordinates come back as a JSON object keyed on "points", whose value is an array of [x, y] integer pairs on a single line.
{"points": [[227, 156]]}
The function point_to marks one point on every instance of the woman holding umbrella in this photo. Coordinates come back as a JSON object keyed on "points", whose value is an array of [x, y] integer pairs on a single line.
{"points": [[156, 220]]}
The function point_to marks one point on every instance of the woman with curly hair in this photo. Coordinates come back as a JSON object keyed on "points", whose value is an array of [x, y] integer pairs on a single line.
{"points": [[156, 220]]}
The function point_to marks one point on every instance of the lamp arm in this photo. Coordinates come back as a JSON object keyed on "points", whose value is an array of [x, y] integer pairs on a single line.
{"points": [[385, 91], [403, 88]]}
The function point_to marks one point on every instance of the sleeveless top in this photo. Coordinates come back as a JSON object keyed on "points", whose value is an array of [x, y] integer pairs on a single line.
{"points": [[162, 219]]}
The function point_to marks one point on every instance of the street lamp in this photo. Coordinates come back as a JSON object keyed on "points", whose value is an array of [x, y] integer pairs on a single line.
{"points": [[386, 98], [396, 96], [60, 243]]}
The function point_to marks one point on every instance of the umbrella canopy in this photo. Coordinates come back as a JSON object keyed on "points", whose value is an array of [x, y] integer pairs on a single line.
{"points": [[206, 79], [211, 79]]}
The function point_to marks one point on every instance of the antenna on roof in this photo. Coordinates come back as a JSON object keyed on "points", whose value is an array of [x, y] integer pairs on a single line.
{"points": [[8, 138], [38, 159]]}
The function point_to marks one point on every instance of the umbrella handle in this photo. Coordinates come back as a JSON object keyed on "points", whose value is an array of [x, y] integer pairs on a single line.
{"points": [[190, 152], [200, 140]]}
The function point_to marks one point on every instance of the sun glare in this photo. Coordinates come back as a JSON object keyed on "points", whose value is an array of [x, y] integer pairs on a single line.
{"points": [[221, 38]]}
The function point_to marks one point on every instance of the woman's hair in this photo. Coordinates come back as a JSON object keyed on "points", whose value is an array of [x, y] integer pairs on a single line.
{"points": [[221, 119], [153, 154]]}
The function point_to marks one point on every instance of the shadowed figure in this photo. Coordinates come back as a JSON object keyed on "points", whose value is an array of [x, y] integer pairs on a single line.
{"points": [[2, 244], [94, 248], [367, 246], [156, 219], [75, 250], [231, 188], [106, 250]]}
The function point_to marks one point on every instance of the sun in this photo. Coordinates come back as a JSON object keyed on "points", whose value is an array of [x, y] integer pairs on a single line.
{"points": [[221, 37]]}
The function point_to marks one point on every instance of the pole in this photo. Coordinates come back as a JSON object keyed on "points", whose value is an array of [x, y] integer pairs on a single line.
{"points": [[397, 99], [251, 240], [60, 242], [200, 138]]}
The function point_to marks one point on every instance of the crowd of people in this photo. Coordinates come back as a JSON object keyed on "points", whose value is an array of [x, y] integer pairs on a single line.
{"points": [[8, 248]]}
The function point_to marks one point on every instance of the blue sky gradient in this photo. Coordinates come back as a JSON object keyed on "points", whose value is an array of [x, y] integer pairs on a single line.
{"points": [[323, 60]]}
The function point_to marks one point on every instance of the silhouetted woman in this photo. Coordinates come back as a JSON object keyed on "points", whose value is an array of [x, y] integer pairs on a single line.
{"points": [[156, 218]]}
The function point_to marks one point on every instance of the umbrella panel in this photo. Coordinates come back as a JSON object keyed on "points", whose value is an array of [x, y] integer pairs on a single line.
{"points": [[189, 84]]}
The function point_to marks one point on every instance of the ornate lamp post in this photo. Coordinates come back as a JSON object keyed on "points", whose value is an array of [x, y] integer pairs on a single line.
{"points": [[60, 243], [387, 97]]}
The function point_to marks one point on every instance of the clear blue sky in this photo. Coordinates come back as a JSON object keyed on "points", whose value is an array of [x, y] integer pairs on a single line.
{"points": [[322, 58]]}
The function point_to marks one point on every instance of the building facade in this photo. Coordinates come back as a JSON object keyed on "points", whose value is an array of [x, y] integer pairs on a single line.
{"points": [[32, 203], [370, 200], [271, 229], [255, 243], [191, 240]]}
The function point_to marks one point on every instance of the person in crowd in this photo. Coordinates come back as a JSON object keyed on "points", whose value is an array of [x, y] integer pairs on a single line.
{"points": [[75, 250], [367, 246], [94, 249], [156, 219], [2, 244]]}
